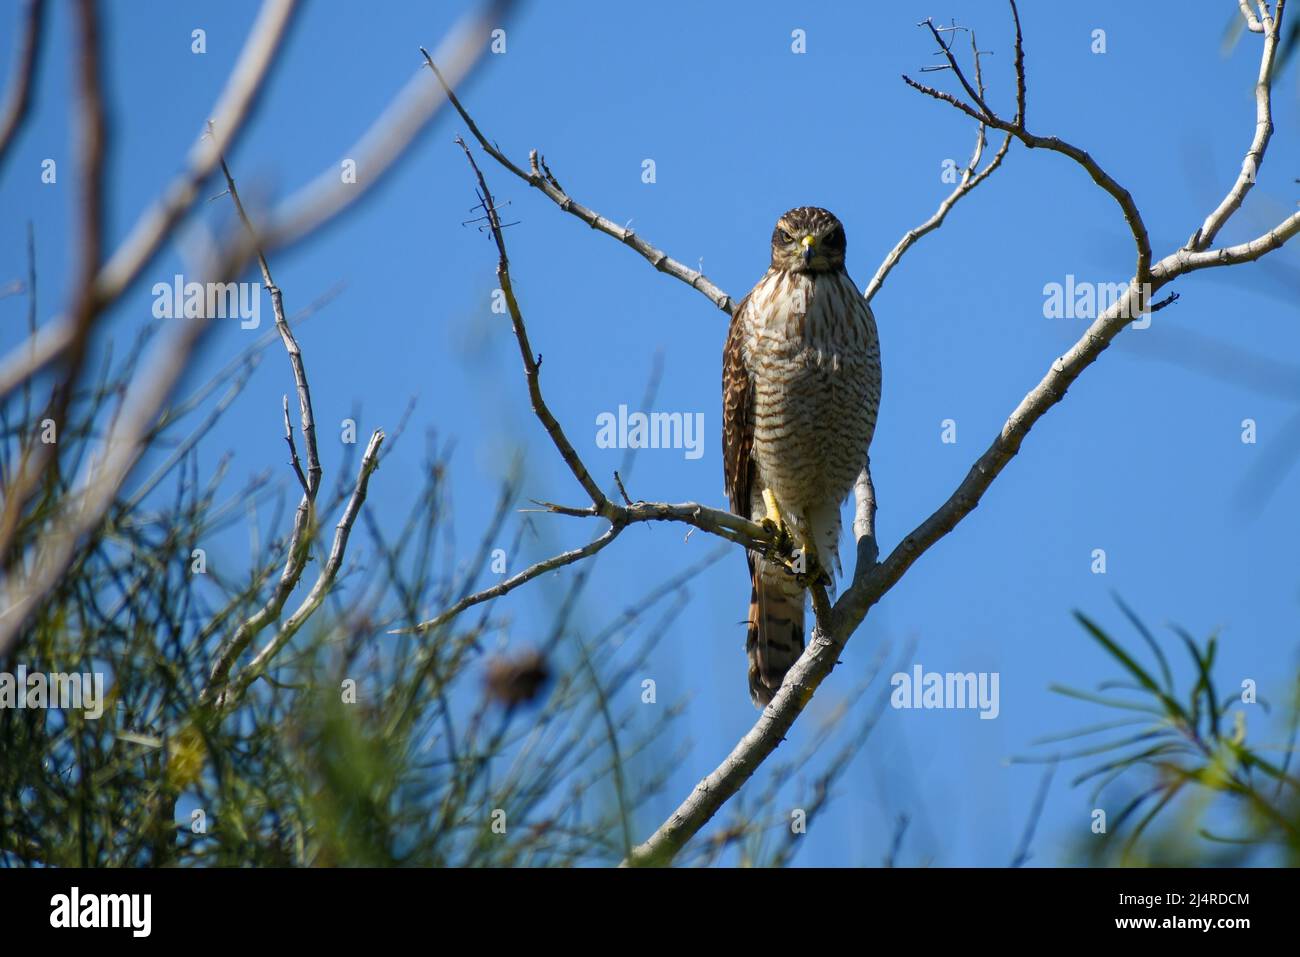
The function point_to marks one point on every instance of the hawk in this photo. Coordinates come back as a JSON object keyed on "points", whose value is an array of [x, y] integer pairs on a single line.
{"points": [[800, 392]]}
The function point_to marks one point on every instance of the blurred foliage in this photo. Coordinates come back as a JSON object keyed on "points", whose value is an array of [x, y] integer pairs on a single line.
{"points": [[1188, 778], [357, 747]]}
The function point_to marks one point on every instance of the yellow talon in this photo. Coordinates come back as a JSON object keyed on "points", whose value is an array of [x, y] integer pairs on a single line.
{"points": [[773, 511], [776, 525]]}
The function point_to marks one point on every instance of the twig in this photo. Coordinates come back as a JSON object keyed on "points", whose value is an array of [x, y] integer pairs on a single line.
{"points": [[306, 415], [618, 481], [293, 449], [513, 582], [733, 528]]}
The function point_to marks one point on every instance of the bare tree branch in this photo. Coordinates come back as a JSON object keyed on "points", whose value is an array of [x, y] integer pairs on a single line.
{"points": [[293, 448], [1245, 252], [299, 215], [232, 109], [724, 524]]}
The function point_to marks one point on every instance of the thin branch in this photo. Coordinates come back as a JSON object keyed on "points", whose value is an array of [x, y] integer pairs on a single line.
{"points": [[864, 517], [306, 416], [293, 448], [234, 691], [540, 177], [1254, 159], [532, 365], [299, 546], [324, 198], [25, 65], [1245, 252], [233, 107], [976, 95], [970, 178], [725, 525], [514, 581], [1017, 129]]}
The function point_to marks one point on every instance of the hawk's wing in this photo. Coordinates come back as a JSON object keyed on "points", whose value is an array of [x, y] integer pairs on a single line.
{"points": [[737, 417]]}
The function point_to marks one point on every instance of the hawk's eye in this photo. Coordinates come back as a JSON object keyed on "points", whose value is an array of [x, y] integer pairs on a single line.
{"points": [[835, 239], [786, 237]]}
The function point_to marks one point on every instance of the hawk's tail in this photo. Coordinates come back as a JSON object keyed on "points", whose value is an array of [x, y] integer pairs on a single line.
{"points": [[774, 641]]}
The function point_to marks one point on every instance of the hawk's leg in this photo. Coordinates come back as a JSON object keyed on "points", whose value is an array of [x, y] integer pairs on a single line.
{"points": [[775, 524], [806, 567]]}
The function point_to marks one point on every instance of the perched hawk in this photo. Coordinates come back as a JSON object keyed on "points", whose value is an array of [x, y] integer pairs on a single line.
{"points": [[800, 391]]}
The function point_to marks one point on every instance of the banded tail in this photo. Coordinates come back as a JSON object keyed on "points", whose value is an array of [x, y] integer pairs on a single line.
{"points": [[774, 640]]}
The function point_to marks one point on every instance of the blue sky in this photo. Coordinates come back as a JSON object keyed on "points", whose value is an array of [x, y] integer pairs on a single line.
{"points": [[1144, 457]]}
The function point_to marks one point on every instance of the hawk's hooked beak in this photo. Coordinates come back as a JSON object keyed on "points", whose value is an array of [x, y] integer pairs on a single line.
{"points": [[809, 249]]}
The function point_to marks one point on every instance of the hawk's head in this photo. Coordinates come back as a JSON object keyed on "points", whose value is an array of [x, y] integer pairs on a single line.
{"points": [[808, 239]]}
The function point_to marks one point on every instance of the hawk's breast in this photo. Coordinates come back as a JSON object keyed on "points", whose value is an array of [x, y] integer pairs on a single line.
{"points": [[811, 346]]}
